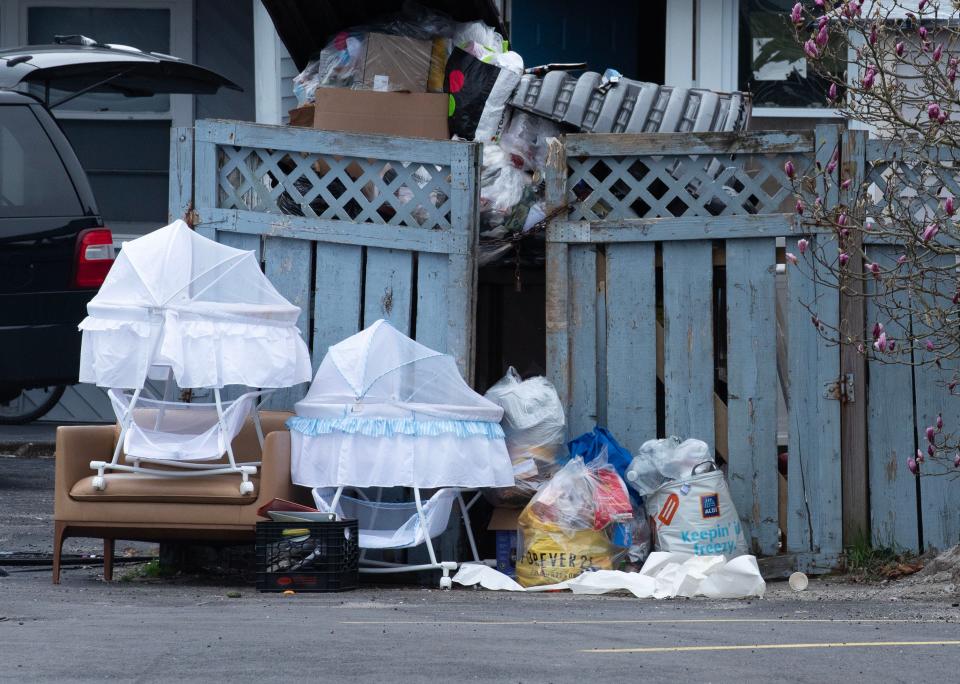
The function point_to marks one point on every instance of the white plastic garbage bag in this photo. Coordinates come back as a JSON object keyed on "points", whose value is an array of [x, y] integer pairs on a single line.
{"points": [[535, 427], [696, 515]]}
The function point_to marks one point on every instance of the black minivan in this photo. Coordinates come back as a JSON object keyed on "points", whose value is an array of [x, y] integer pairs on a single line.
{"points": [[55, 250]]}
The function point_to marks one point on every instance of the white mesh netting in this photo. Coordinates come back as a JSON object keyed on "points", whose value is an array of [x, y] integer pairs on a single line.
{"points": [[175, 431], [174, 298], [384, 410]]}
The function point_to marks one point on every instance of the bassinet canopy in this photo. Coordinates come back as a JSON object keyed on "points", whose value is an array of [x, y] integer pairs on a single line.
{"points": [[384, 411], [174, 299]]}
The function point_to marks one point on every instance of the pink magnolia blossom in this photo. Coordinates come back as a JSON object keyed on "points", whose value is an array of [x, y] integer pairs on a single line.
{"points": [[901, 260], [942, 118], [818, 3], [796, 14], [938, 53], [932, 450], [846, 184], [833, 161], [900, 48], [930, 232], [956, 460], [873, 35], [921, 5], [842, 220], [802, 245], [929, 346], [843, 259], [891, 345], [922, 31], [933, 111], [881, 344], [877, 329], [912, 465], [868, 78], [800, 207], [875, 269], [810, 49], [792, 258], [952, 74], [788, 169], [823, 36], [860, 348], [931, 434], [920, 457], [832, 92], [939, 422], [948, 206]]}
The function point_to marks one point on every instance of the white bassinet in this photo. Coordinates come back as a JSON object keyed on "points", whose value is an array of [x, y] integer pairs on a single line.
{"points": [[386, 411], [178, 306]]}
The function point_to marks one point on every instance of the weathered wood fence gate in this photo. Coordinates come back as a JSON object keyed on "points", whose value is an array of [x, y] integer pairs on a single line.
{"points": [[663, 317], [665, 302]]}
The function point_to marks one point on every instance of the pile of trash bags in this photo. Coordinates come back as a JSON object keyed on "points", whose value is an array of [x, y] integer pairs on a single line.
{"points": [[592, 507], [513, 109], [471, 62]]}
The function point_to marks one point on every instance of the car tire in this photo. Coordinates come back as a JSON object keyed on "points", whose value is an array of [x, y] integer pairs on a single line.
{"points": [[9, 414]]}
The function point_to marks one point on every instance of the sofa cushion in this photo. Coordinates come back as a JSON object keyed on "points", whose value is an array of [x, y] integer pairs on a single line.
{"points": [[129, 487]]}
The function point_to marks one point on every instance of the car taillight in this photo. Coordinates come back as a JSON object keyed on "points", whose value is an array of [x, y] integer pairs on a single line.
{"points": [[94, 257]]}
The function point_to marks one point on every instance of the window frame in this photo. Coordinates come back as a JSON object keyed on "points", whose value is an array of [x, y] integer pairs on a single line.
{"points": [[14, 31]]}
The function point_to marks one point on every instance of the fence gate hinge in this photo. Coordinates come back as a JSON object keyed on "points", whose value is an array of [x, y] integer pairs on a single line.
{"points": [[841, 390]]}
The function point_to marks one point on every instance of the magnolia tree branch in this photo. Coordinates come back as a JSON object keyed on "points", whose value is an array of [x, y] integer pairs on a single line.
{"points": [[893, 237]]}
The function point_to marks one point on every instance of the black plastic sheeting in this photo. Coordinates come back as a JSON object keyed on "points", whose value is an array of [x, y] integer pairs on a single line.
{"points": [[305, 26]]}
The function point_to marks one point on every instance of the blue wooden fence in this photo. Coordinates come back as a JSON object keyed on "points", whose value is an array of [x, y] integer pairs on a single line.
{"points": [[632, 277], [906, 511], [657, 226]]}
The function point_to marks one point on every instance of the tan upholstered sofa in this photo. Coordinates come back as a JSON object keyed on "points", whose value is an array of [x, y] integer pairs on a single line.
{"points": [[149, 508]]}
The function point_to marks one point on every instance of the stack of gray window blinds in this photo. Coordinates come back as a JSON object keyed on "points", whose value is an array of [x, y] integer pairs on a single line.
{"points": [[629, 106]]}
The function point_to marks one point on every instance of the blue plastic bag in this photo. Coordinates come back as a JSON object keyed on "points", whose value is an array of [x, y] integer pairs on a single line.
{"points": [[591, 444]]}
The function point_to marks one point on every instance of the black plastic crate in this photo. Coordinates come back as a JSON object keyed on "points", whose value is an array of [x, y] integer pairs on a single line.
{"points": [[307, 556]]}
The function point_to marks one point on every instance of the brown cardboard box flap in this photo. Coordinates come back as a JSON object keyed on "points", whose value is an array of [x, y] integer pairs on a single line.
{"points": [[396, 63], [412, 115], [504, 519]]}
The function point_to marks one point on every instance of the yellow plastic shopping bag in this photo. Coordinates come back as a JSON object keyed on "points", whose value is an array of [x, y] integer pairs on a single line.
{"points": [[550, 554]]}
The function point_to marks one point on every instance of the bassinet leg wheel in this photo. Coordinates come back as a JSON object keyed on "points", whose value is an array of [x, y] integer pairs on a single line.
{"points": [[246, 487], [446, 583], [99, 482]]}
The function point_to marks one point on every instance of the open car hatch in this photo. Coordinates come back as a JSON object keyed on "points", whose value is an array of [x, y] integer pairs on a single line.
{"points": [[76, 65]]}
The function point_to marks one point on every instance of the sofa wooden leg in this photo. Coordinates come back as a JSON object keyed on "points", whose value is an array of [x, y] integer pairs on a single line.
{"points": [[107, 560], [59, 534]]}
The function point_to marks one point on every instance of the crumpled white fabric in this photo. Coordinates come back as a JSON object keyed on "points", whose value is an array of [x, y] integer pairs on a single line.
{"points": [[664, 575]]}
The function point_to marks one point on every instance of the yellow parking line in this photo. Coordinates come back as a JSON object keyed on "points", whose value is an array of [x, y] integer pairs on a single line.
{"points": [[653, 621], [770, 647]]}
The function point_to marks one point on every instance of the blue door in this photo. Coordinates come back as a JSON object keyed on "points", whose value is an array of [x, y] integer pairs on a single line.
{"points": [[603, 33]]}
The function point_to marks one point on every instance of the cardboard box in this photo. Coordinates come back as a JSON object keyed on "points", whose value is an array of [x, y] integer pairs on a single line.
{"points": [[396, 63], [413, 115], [503, 523]]}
